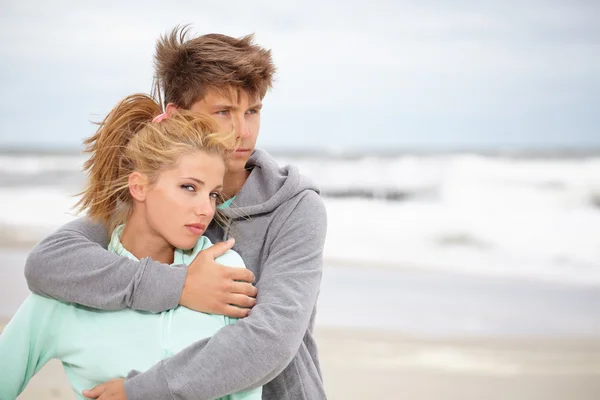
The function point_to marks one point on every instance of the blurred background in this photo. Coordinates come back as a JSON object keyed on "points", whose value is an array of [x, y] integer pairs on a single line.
{"points": [[457, 146]]}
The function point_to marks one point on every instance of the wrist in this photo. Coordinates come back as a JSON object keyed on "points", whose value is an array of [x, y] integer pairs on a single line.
{"points": [[160, 287], [148, 385]]}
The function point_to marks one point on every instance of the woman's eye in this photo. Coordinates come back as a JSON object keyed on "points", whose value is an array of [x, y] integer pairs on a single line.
{"points": [[215, 195], [189, 188]]}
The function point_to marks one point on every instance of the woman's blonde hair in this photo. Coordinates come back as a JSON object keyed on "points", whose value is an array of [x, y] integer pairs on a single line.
{"points": [[128, 140]]}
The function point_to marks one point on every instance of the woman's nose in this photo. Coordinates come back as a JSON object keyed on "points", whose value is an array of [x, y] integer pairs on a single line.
{"points": [[204, 208]]}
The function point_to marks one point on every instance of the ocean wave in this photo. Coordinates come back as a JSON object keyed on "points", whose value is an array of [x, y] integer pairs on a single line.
{"points": [[446, 178], [388, 194], [35, 164], [530, 219], [595, 199], [20, 237]]}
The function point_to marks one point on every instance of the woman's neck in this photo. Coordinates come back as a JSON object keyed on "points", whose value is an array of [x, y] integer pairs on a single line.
{"points": [[140, 240]]}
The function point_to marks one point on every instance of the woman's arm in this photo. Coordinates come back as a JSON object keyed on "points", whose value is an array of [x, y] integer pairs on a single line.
{"points": [[28, 342]]}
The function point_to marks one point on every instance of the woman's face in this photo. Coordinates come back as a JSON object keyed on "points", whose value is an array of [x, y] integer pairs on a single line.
{"points": [[182, 202]]}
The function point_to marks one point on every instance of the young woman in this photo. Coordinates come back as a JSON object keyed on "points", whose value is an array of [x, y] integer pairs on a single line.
{"points": [[154, 181]]}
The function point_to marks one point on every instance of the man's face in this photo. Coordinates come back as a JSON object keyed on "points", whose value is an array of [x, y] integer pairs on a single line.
{"points": [[240, 113]]}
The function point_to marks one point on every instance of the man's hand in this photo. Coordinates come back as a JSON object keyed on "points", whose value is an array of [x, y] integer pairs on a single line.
{"points": [[111, 390], [214, 288]]}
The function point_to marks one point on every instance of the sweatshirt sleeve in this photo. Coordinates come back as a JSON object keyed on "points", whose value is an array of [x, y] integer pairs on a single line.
{"points": [[28, 342], [257, 348], [233, 259], [73, 265]]}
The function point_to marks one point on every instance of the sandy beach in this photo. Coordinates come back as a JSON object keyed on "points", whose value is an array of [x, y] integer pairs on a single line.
{"points": [[416, 335], [455, 147], [374, 365]]}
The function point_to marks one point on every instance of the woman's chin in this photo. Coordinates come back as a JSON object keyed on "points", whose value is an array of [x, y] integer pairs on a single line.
{"points": [[185, 244]]}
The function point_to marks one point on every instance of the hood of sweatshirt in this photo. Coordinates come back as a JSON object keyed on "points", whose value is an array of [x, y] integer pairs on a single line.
{"points": [[267, 187]]}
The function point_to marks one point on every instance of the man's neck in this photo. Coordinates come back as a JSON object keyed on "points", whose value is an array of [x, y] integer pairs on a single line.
{"points": [[140, 241], [233, 182]]}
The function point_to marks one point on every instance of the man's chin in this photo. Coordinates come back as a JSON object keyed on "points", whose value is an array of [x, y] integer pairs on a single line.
{"points": [[236, 166], [237, 162]]}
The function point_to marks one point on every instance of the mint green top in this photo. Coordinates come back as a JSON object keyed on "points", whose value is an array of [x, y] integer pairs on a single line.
{"points": [[96, 346], [226, 204]]}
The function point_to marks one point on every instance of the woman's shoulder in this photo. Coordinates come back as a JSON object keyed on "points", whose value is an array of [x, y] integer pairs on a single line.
{"points": [[231, 258]]}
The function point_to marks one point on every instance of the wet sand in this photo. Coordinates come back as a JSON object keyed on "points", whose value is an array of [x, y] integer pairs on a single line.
{"points": [[360, 364]]}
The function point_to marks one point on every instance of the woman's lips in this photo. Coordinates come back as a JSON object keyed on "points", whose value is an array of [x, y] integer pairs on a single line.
{"points": [[196, 229]]}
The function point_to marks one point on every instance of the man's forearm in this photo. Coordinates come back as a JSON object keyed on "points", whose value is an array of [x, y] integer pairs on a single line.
{"points": [[257, 348], [73, 265], [245, 355]]}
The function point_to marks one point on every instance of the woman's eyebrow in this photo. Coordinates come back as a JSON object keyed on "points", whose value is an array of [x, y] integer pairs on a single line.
{"points": [[194, 179]]}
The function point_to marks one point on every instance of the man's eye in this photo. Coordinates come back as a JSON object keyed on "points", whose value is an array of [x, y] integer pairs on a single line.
{"points": [[222, 112], [189, 188], [252, 111]]}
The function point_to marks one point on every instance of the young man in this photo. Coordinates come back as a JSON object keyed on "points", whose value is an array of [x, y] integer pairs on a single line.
{"points": [[276, 217]]}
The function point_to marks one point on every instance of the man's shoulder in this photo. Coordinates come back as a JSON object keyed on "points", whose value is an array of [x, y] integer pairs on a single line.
{"points": [[305, 208], [311, 203], [310, 197]]}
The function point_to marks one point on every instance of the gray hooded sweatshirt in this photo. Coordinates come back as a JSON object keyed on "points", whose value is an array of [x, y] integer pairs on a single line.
{"points": [[279, 223]]}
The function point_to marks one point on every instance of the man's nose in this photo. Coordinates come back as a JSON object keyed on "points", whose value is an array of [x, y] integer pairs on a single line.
{"points": [[241, 128]]}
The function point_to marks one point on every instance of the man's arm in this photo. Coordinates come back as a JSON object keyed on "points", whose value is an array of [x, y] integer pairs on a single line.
{"points": [[73, 265], [257, 348]]}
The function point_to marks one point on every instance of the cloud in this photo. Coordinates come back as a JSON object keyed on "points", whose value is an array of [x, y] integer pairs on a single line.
{"points": [[451, 70]]}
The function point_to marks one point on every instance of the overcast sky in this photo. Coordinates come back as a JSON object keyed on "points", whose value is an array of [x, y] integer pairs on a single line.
{"points": [[352, 75]]}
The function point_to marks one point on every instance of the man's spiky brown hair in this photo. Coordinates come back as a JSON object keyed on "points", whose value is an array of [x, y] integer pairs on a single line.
{"points": [[186, 68]]}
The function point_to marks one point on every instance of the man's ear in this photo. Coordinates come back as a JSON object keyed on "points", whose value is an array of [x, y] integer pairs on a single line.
{"points": [[170, 108], [138, 186]]}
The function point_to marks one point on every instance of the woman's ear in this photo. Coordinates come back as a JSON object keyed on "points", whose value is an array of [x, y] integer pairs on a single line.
{"points": [[138, 186]]}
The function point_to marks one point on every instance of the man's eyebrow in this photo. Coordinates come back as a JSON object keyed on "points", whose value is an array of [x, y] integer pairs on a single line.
{"points": [[256, 106], [224, 107]]}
